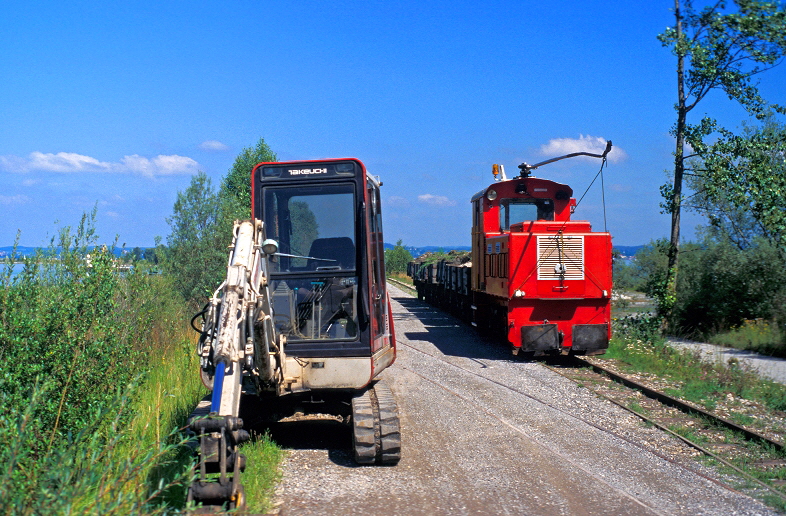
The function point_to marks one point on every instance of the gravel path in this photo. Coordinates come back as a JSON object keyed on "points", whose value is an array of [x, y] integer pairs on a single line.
{"points": [[485, 434], [773, 368]]}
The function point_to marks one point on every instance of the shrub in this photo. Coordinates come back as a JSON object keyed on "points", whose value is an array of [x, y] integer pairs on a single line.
{"points": [[719, 286], [78, 340]]}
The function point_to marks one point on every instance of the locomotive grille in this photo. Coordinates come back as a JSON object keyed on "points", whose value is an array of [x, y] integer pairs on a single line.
{"points": [[556, 250]]}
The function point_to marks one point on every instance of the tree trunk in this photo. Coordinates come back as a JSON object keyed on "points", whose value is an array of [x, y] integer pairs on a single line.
{"points": [[679, 168]]}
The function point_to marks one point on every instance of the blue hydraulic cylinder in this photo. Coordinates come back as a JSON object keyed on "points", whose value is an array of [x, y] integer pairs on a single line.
{"points": [[218, 385]]}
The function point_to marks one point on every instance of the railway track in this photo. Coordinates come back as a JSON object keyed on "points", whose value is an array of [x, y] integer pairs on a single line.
{"points": [[677, 403], [531, 443], [729, 449], [553, 407], [660, 397], [400, 284], [725, 441]]}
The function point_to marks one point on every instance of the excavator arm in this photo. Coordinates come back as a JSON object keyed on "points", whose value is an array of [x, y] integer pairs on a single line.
{"points": [[238, 350]]}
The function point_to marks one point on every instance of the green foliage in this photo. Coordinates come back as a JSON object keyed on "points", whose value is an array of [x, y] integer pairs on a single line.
{"points": [[396, 259], [431, 258], [726, 48], [720, 285], [718, 48], [93, 471], [640, 327], [201, 224], [58, 320], [305, 229], [636, 344], [625, 275], [742, 184], [760, 335], [262, 473], [196, 252], [235, 192], [77, 337], [97, 378], [650, 267]]}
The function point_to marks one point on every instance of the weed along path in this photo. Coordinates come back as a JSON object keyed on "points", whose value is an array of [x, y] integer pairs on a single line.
{"points": [[483, 433]]}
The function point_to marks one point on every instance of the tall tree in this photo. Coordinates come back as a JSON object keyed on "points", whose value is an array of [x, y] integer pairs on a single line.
{"points": [[195, 255], [740, 184], [201, 224], [717, 48], [235, 192], [396, 259]]}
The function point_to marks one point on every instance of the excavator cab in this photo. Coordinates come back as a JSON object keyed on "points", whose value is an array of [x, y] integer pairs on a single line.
{"points": [[303, 315]]}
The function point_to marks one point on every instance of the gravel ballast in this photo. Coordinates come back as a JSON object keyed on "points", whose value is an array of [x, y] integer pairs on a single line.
{"points": [[485, 433]]}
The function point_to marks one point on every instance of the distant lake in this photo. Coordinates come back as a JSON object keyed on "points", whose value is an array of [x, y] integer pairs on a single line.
{"points": [[17, 268]]}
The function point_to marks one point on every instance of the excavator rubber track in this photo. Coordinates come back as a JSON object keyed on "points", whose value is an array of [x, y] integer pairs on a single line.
{"points": [[376, 432]]}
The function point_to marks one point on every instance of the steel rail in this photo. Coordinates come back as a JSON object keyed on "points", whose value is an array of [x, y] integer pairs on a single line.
{"points": [[651, 393], [668, 400], [678, 404], [691, 410], [401, 284]]}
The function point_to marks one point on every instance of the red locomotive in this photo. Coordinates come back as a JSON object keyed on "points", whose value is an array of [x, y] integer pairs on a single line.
{"points": [[536, 277]]}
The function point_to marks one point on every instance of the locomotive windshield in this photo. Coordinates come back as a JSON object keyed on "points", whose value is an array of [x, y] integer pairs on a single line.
{"points": [[314, 284], [522, 210]]}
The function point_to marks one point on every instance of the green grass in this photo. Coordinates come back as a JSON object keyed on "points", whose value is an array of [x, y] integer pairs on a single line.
{"points": [[402, 277], [757, 335], [741, 419], [98, 377], [639, 347], [262, 473], [636, 407]]}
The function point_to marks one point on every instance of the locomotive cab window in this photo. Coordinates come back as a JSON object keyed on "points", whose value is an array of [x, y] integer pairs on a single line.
{"points": [[512, 211]]}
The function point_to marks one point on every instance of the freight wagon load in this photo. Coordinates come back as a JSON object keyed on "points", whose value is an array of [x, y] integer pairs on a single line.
{"points": [[444, 280], [534, 277]]}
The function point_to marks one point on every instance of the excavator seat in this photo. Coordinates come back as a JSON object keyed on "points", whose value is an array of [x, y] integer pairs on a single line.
{"points": [[340, 249]]}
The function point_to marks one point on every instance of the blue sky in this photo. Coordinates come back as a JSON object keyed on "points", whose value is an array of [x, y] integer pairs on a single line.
{"points": [[118, 105]]}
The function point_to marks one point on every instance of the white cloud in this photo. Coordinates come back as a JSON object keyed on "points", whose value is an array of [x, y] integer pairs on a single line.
{"points": [[437, 200], [174, 164], [158, 166], [65, 162], [13, 164], [213, 146], [7, 200], [113, 214], [596, 145], [395, 200], [70, 162]]}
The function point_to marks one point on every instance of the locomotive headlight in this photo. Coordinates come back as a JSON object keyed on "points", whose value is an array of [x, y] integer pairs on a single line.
{"points": [[270, 246], [491, 195]]}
